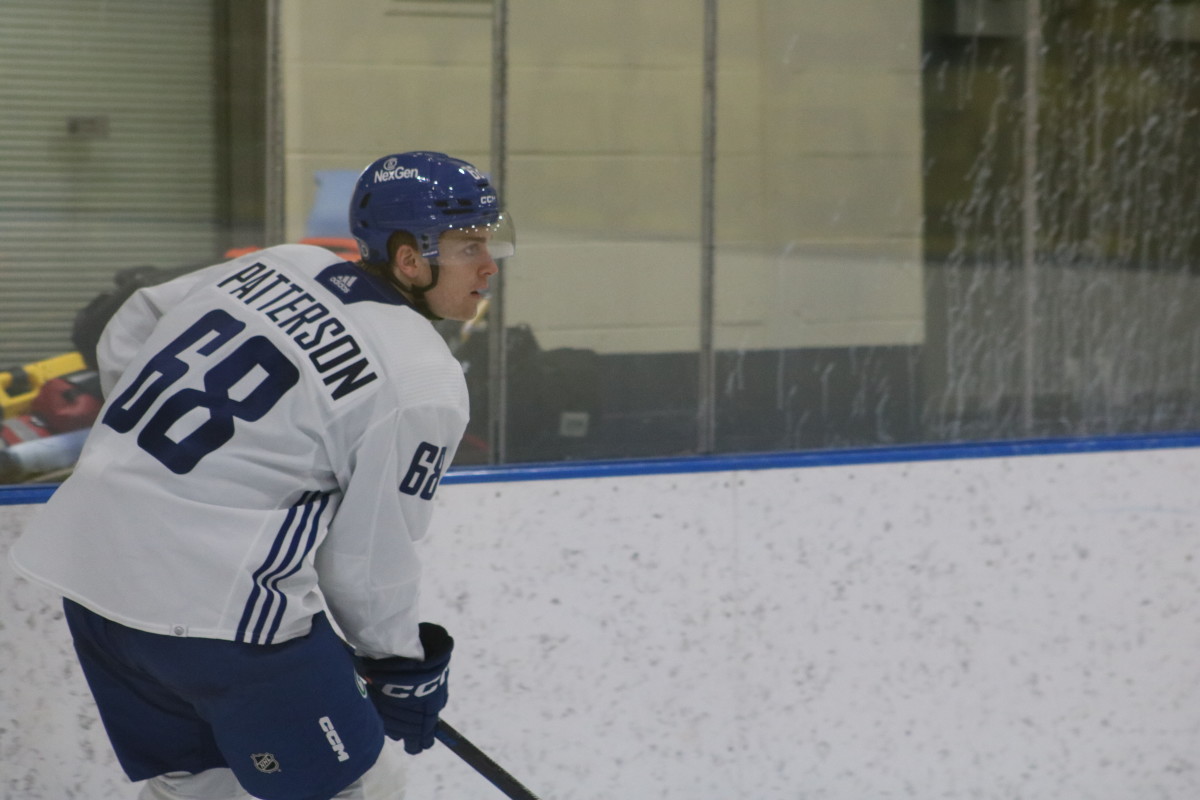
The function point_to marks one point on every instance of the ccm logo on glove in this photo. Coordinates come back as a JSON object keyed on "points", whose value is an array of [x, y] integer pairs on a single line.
{"points": [[401, 691], [409, 694]]}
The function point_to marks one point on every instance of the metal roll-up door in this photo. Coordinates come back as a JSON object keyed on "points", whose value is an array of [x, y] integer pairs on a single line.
{"points": [[108, 155]]}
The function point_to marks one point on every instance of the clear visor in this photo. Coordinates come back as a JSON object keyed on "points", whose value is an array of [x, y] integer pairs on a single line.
{"points": [[500, 233]]}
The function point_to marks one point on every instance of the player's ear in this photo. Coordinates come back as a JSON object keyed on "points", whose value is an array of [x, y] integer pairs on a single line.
{"points": [[407, 262]]}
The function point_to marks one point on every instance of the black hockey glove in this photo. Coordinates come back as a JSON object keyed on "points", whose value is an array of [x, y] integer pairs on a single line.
{"points": [[408, 693]]}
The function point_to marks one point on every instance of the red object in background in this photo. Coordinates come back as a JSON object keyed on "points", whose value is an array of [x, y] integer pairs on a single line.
{"points": [[66, 403]]}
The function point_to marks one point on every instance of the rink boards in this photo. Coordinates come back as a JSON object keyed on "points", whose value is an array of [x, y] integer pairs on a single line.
{"points": [[987, 622]]}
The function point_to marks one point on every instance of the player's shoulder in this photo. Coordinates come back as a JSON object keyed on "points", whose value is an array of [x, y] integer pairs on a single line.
{"points": [[410, 339], [419, 360]]}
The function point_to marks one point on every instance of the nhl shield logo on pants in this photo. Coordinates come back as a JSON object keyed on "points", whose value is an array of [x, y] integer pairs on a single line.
{"points": [[265, 762]]}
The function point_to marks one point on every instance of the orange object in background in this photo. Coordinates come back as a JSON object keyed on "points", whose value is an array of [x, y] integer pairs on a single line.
{"points": [[345, 247]]}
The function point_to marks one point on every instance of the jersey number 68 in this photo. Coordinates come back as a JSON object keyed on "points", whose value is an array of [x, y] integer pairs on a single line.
{"points": [[278, 375]]}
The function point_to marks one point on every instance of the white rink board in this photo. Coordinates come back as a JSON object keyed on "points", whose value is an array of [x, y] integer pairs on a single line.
{"points": [[1016, 627]]}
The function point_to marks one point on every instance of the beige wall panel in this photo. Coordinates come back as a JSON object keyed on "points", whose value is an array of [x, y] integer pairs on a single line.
{"points": [[606, 196], [378, 32], [588, 110], [852, 112], [838, 198], [401, 112], [741, 215], [739, 34], [608, 296], [625, 33], [745, 283], [740, 106], [818, 141], [624, 340], [641, 297], [362, 79], [744, 169], [329, 128], [818, 287], [767, 300], [849, 35]]}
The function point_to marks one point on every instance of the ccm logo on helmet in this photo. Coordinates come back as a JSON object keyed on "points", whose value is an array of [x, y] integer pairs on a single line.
{"points": [[334, 740], [400, 691]]}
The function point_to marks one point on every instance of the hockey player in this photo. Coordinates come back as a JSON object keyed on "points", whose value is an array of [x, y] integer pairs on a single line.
{"points": [[250, 498]]}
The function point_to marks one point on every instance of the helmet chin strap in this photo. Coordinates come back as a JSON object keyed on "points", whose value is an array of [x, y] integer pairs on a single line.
{"points": [[418, 292]]}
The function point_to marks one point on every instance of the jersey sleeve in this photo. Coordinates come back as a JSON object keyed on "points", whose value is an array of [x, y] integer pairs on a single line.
{"points": [[129, 328], [368, 566]]}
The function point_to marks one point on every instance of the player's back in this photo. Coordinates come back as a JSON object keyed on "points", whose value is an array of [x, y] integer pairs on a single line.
{"points": [[244, 388], [246, 391]]}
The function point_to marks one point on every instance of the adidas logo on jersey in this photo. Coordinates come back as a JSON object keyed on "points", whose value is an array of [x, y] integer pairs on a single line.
{"points": [[343, 282]]}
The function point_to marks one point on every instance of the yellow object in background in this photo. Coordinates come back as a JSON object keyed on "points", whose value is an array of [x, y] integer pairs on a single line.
{"points": [[19, 385]]}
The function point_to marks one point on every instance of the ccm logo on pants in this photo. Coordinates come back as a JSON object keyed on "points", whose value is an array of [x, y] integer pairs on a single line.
{"points": [[335, 741]]}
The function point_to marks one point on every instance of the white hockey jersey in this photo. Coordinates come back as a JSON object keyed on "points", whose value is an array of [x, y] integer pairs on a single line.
{"points": [[274, 430]]}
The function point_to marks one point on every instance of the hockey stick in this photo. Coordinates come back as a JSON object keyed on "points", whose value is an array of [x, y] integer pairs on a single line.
{"points": [[482, 764]]}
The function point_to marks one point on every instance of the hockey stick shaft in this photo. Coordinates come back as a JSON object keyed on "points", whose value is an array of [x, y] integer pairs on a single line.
{"points": [[482, 764]]}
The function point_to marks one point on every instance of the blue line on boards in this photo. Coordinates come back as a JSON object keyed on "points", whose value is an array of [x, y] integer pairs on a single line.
{"points": [[27, 494]]}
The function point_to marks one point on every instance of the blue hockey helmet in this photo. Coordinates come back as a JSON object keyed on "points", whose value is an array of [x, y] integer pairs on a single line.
{"points": [[426, 194]]}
